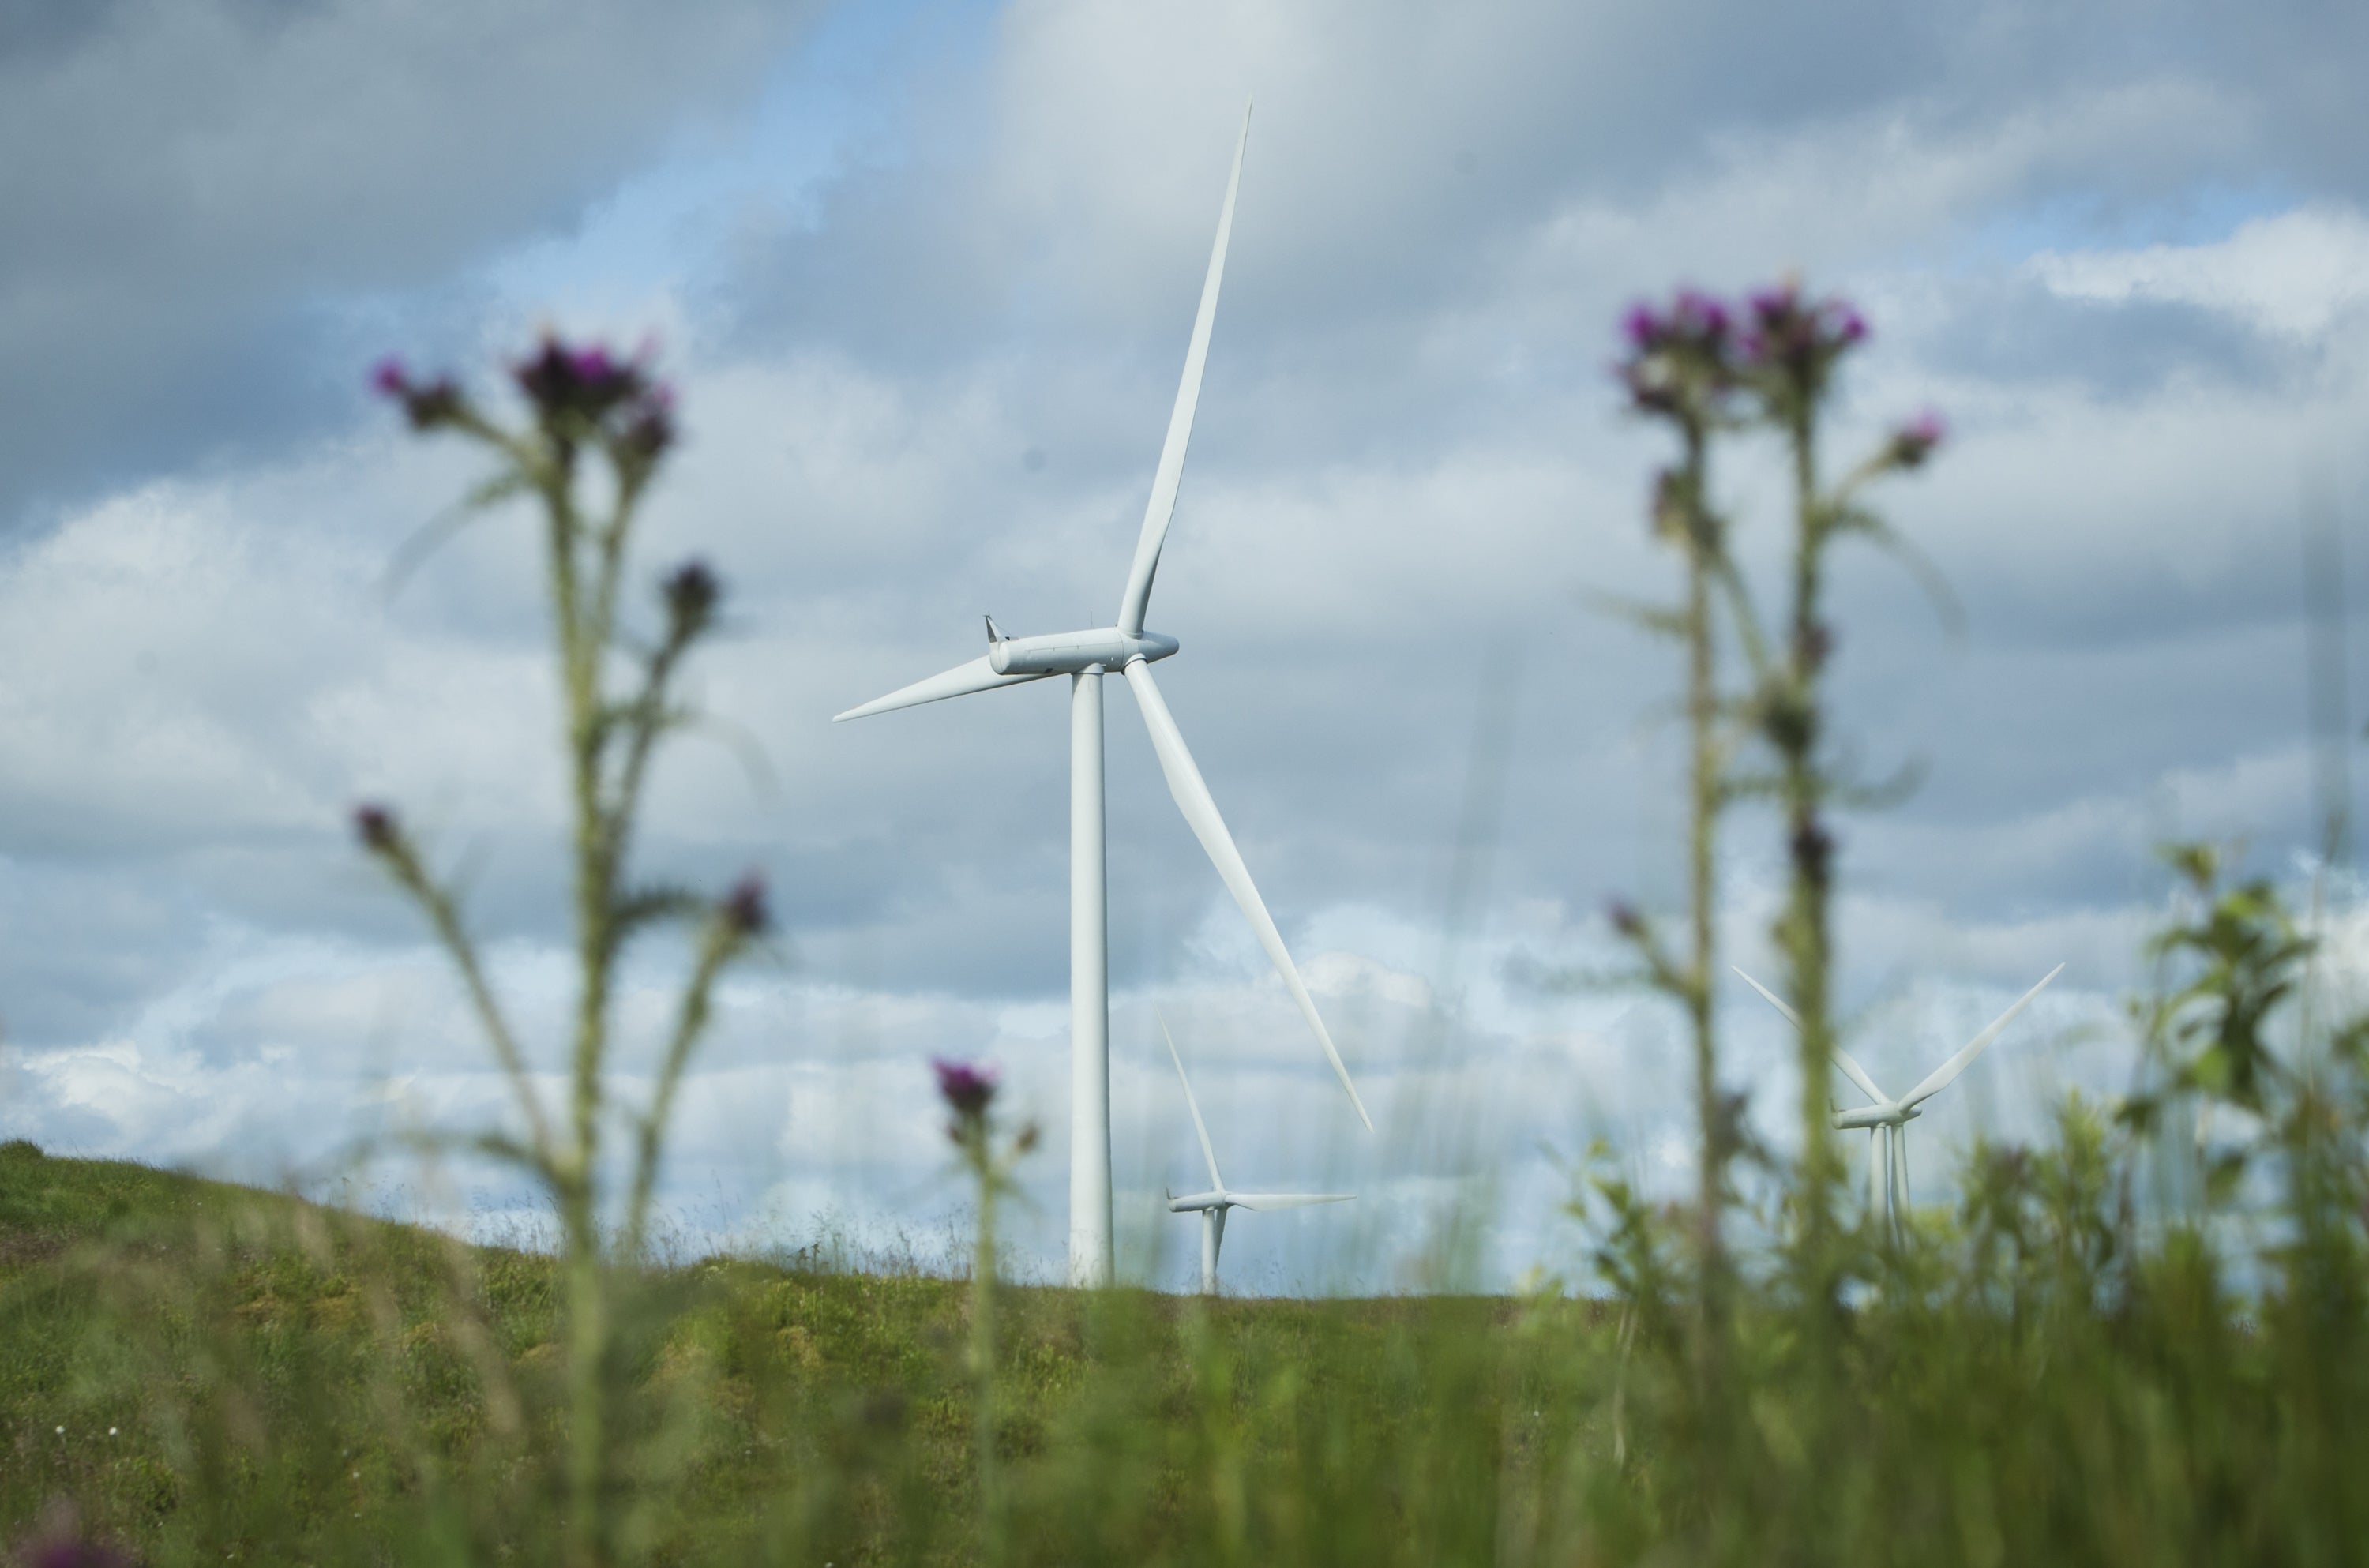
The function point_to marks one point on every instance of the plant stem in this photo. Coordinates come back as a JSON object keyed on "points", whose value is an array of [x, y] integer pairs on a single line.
{"points": [[1707, 798], [1802, 930], [982, 1359]]}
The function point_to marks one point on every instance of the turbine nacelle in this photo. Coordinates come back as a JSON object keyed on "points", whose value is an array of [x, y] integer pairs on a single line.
{"points": [[1198, 1202], [1875, 1116], [1072, 653]]}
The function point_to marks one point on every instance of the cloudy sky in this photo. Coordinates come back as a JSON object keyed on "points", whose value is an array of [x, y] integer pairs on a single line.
{"points": [[924, 273]]}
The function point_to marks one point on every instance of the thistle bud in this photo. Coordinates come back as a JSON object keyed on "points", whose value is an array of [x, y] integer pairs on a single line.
{"points": [[744, 907], [690, 591], [376, 827], [1915, 442]]}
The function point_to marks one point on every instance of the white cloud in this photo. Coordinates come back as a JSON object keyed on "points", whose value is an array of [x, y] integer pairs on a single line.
{"points": [[2292, 273]]}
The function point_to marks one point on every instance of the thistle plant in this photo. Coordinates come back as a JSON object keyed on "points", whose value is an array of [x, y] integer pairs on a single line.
{"points": [[969, 1091], [1788, 355], [1680, 369], [596, 429], [1710, 371]]}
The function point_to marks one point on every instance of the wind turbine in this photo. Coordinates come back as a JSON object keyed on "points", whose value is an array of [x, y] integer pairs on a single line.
{"points": [[1212, 1204], [1887, 1119], [1086, 657]]}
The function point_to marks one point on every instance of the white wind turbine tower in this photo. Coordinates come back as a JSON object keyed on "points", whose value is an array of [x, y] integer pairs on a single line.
{"points": [[1086, 657], [1212, 1204], [1887, 1119]]}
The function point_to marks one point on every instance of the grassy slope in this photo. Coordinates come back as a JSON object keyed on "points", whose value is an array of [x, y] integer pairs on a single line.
{"points": [[284, 1378], [291, 1384]]}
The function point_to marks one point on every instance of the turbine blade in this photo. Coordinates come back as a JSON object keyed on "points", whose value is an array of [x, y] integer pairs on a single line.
{"points": [[1856, 1073], [1774, 1000], [1941, 1075], [1171, 472], [1288, 1200], [1192, 798], [1850, 1069], [1208, 1154], [978, 675]]}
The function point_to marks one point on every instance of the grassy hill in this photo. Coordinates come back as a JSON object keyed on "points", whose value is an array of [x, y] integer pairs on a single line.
{"points": [[212, 1375], [207, 1370]]}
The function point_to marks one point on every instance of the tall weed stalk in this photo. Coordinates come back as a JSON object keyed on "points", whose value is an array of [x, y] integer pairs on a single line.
{"points": [[596, 432]]}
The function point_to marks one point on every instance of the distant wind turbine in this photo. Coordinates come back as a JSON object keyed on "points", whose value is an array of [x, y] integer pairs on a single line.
{"points": [[1086, 657], [1887, 1119], [1212, 1204]]}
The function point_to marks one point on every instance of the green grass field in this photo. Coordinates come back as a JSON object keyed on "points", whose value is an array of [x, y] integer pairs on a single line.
{"points": [[208, 1373]]}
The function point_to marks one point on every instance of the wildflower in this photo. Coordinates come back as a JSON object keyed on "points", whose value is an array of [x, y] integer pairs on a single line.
{"points": [[587, 382], [1680, 360], [426, 404], [1915, 442], [1791, 344], [967, 1087]]}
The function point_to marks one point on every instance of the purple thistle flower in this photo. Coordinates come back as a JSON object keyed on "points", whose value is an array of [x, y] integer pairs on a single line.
{"points": [[1642, 327], [1680, 360], [967, 1087], [436, 403], [1698, 316], [588, 380]]}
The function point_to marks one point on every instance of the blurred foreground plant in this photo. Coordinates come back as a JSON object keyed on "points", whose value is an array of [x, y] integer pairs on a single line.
{"points": [[1712, 372], [969, 1091], [597, 428]]}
